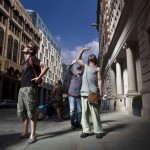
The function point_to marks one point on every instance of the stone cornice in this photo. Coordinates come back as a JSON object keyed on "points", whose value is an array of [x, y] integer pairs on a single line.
{"points": [[144, 91], [132, 94]]}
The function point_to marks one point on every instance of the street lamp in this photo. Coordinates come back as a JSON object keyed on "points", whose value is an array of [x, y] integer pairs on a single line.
{"points": [[94, 24]]}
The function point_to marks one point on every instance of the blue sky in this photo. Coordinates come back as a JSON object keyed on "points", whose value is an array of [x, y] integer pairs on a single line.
{"points": [[69, 23]]}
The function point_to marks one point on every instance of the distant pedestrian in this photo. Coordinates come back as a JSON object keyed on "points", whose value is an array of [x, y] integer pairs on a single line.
{"points": [[91, 81], [104, 102], [74, 96], [58, 97], [28, 93]]}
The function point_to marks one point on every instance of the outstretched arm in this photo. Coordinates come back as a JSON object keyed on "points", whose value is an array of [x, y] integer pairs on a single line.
{"points": [[43, 72], [79, 57], [69, 68]]}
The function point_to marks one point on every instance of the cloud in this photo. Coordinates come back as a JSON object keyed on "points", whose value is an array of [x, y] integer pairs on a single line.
{"points": [[58, 38], [68, 55]]}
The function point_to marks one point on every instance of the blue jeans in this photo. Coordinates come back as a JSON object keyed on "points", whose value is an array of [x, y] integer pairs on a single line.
{"points": [[75, 110], [104, 104]]}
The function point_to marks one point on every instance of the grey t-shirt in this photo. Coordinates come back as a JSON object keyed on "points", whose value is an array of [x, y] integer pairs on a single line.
{"points": [[89, 79]]}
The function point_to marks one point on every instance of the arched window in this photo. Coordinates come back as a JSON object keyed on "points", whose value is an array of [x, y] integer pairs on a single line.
{"points": [[22, 55], [15, 51], [1, 2], [1, 40], [9, 47], [7, 5], [11, 71], [16, 73]]}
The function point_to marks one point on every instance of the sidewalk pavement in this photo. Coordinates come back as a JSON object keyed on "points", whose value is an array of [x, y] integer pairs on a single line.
{"points": [[122, 132]]}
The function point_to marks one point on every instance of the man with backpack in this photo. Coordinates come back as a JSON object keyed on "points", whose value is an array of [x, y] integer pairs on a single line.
{"points": [[28, 93]]}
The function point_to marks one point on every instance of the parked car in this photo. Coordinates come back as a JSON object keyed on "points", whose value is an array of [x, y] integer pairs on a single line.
{"points": [[7, 104]]}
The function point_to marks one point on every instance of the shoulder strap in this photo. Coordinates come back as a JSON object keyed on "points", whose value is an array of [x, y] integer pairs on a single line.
{"points": [[31, 64], [86, 77]]}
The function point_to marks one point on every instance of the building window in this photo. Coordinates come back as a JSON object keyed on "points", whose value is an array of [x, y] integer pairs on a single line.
{"points": [[15, 51], [1, 40], [15, 15], [20, 20], [46, 52], [41, 56], [6, 5], [9, 47], [3, 18], [51, 42], [22, 55], [52, 58], [1, 2], [43, 49]]}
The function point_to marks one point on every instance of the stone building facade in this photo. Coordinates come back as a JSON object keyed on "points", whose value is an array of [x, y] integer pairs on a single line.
{"points": [[16, 30], [124, 27]]}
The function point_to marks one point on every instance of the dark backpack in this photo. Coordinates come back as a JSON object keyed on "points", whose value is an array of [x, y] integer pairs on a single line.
{"points": [[36, 69]]}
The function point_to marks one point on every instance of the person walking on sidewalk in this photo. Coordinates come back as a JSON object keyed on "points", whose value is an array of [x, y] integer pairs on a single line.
{"points": [[91, 79], [28, 93], [104, 102], [57, 94], [74, 96]]}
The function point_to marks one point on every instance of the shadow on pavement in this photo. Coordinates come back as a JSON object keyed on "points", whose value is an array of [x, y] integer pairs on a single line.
{"points": [[114, 128], [53, 134], [105, 121], [7, 140]]}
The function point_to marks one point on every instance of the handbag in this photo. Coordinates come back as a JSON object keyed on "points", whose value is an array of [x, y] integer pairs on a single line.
{"points": [[92, 96]]}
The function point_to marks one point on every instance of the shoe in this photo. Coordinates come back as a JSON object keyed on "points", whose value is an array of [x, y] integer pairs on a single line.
{"points": [[84, 135], [79, 126], [99, 135], [24, 136], [59, 120], [30, 141], [73, 127]]}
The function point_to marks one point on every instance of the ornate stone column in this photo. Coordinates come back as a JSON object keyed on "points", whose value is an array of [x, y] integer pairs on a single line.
{"points": [[132, 91], [113, 89], [120, 105], [119, 79], [113, 82], [131, 70]]}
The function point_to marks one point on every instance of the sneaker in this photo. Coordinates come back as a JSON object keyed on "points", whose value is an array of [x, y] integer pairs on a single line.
{"points": [[30, 141], [73, 127], [79, 126], [24, 136], [84, 135], [59, 120], [99, 135]]}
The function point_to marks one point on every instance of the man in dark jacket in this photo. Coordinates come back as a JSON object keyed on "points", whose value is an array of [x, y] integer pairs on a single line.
{"points": [[74, 96]]}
